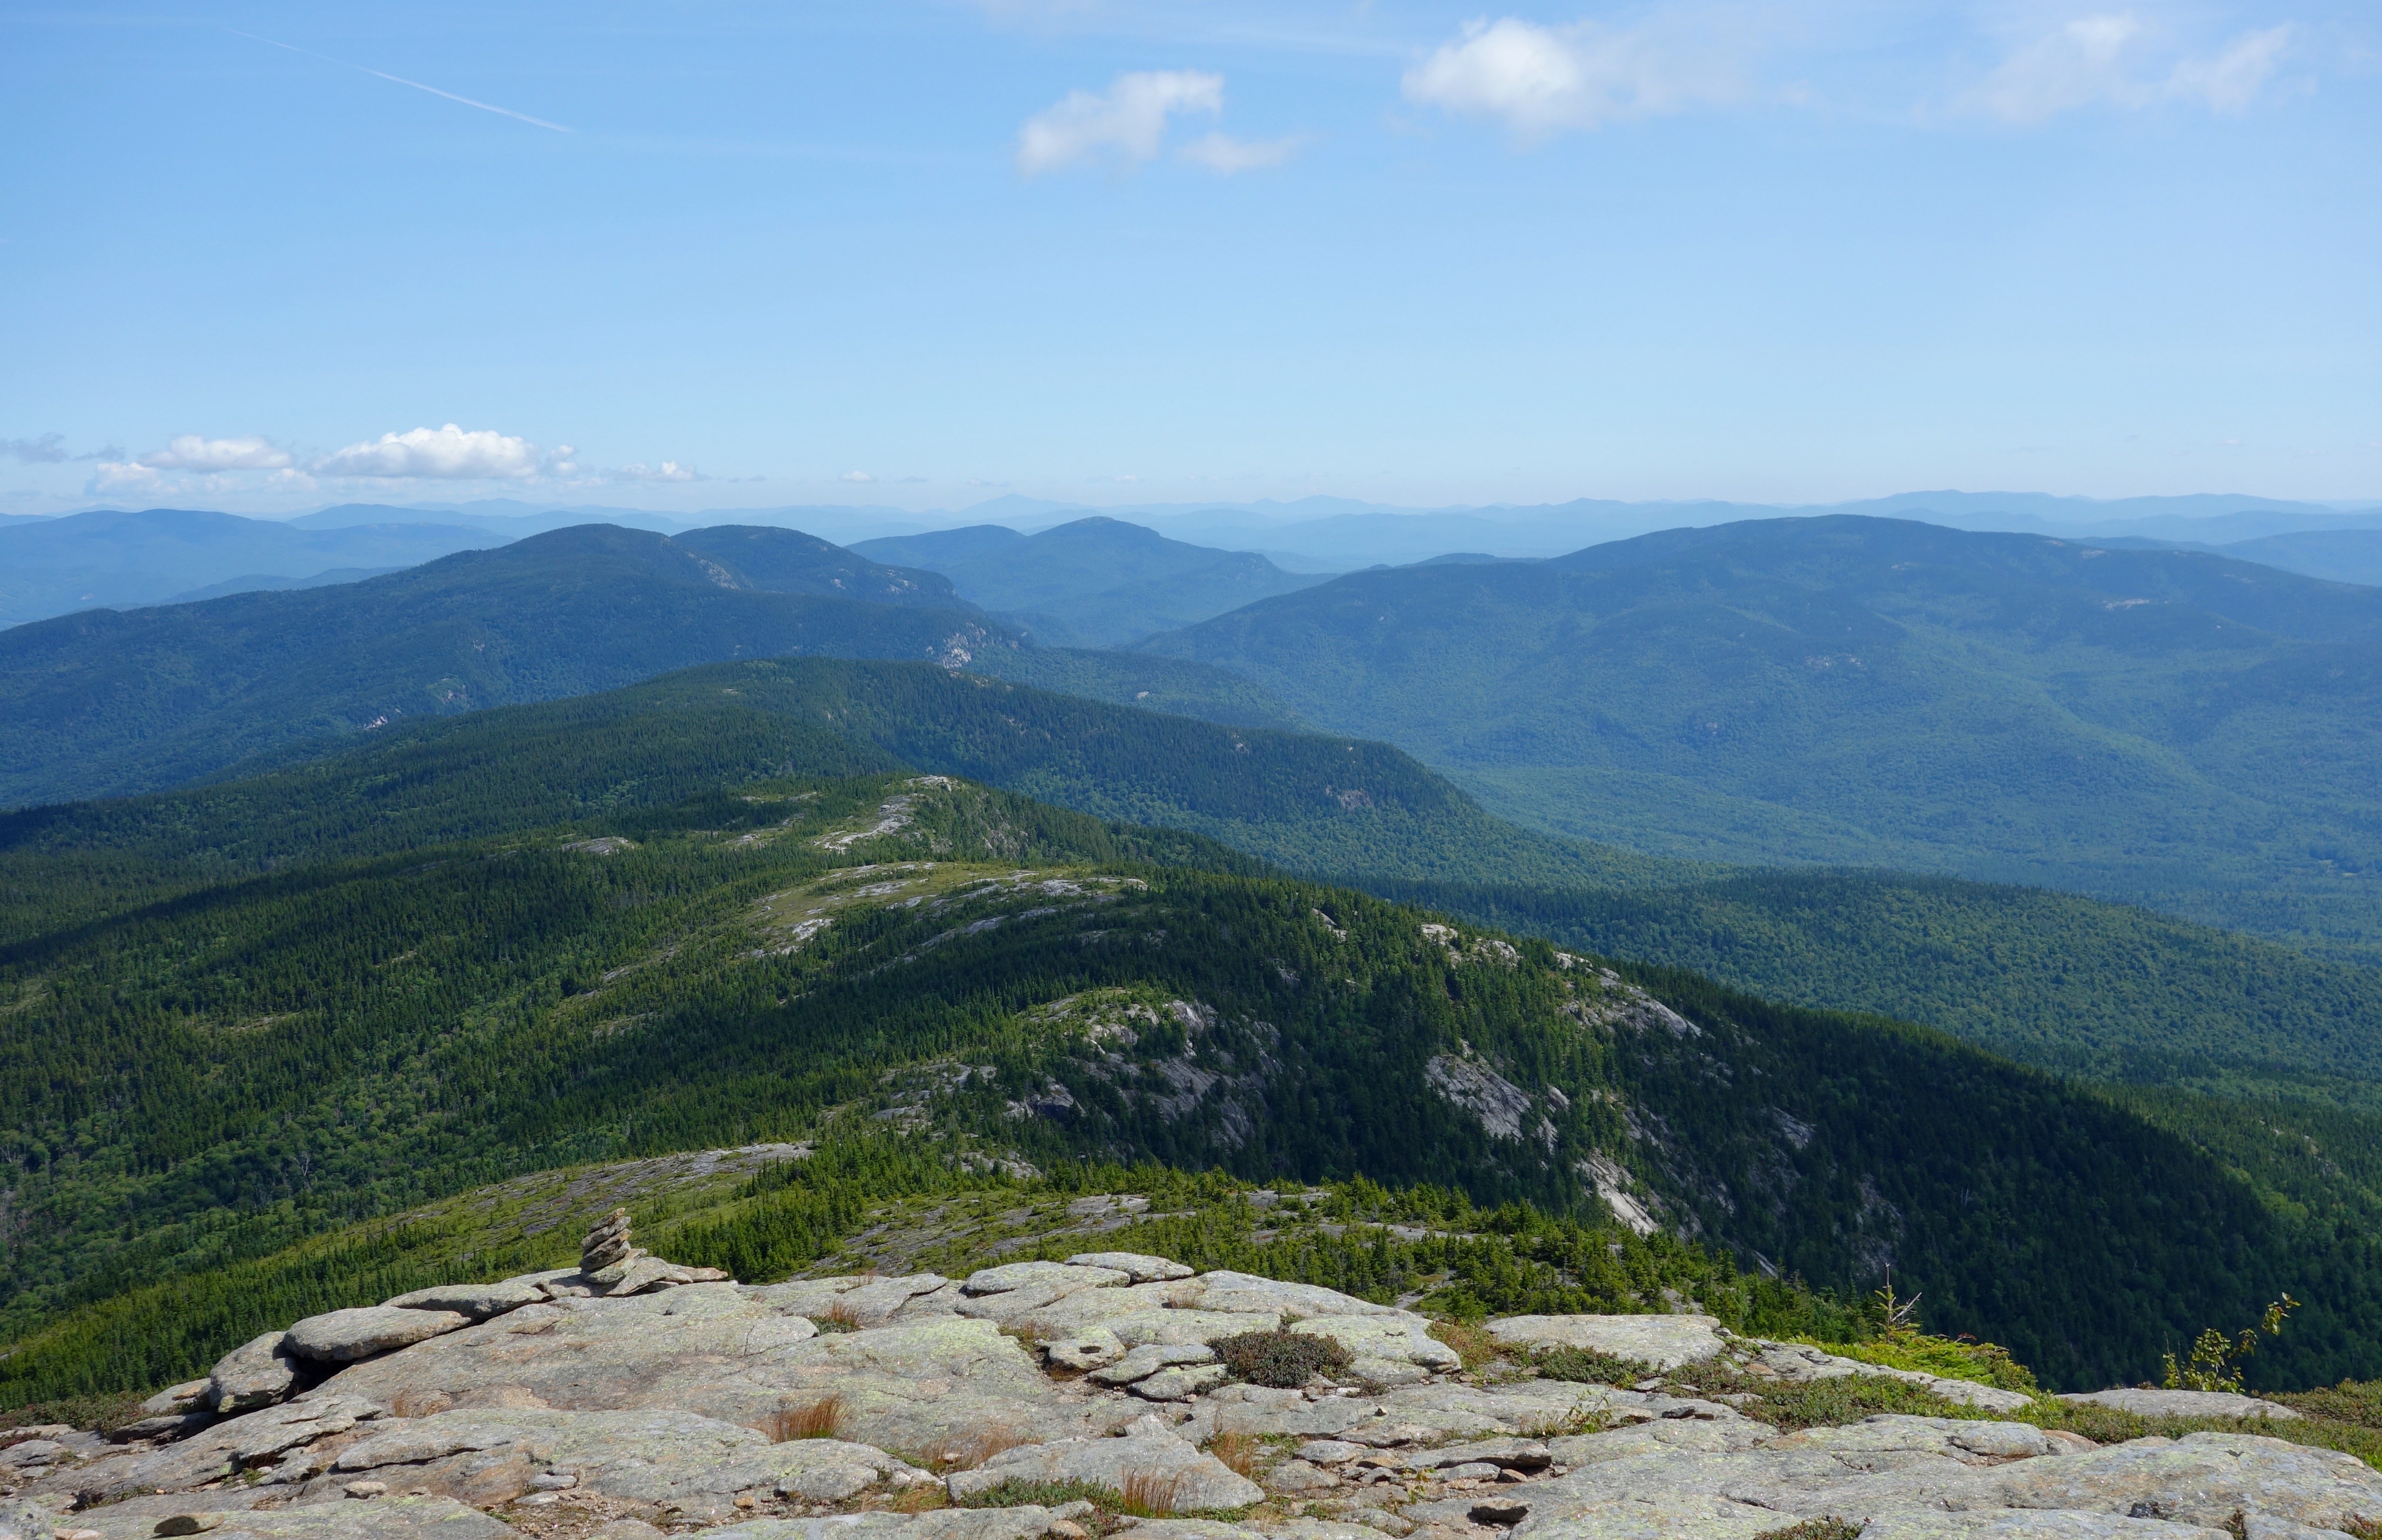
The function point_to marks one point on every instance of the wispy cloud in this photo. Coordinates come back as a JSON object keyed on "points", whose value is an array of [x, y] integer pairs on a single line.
{"points": [[855, 476], [48, 449], [1124, 124], [1225, 155], [2113, 59], [197, 452], [441, 454], [1540, 79], [668, 470], [399, 80]]}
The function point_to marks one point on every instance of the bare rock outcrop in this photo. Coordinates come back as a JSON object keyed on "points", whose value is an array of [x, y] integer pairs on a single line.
{"points": [[631, 1397]]}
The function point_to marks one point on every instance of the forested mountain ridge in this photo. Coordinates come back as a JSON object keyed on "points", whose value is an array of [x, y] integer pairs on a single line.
{"points": [[111, 557], [2163, 728], [106, 702], [208, 1079], [1095, 582], [2066, 982]]}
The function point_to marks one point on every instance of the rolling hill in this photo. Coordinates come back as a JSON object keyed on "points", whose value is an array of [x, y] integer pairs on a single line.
{"points": [[2174, 729], [107, 701], [2062, 982], [113, 559], [1095, 582], [195, 1083]]}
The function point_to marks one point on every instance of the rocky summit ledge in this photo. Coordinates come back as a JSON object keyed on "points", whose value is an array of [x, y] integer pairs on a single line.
{"points": [[1114, 1392]]}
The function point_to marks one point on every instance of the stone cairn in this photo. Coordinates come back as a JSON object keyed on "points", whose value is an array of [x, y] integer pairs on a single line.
{"points": [[607, 1244]]}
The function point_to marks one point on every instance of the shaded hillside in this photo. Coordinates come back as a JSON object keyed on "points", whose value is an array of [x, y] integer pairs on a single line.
{"points": [[1095, 582], [108, 558], [106, 703], [2165, 728], [210, 1079], [2056, 980]]}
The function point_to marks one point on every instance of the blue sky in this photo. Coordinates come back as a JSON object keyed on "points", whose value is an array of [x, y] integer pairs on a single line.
{"points": [[705, 255]]}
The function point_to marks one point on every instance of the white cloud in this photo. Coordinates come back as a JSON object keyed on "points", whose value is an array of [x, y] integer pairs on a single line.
{"points": [[1543, 79], [445, 454], [119, 476], [855, 476], [1223, 154], [1125, 123], [196, 452], [2231, 81], [669, 471], [2104, 60]]}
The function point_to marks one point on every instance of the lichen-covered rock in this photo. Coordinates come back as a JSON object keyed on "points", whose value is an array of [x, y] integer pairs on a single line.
{"points": [[1397, 1338], [1134, 1265], [2203, 1478], [694, 1465], [479, 1301], [1095, 1348], [2183, 1404], [1178, 1383], [1197, 1481], [393, 1518], [1041, 1275], [1148, 1359], [1244, 1293], [341, 1336], [253, 1441], [1663, 1341], [859, 1301], [717, 1351], [257, 1372]]}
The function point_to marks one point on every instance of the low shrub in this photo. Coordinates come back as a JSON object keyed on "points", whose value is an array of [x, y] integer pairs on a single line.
{"points": [[1587, 1366], [1284, 1360]]}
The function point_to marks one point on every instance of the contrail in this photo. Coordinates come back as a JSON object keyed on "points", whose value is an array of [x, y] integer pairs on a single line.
{"points": [[483, 106]]}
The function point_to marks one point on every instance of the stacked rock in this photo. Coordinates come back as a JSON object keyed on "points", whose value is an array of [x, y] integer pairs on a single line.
{"points": [[607, 1244]]}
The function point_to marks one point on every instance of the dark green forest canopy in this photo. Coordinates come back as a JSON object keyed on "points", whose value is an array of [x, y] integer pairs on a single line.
{"points": [[2052, 979], [2163, 728], [209, 1079], [106, 702]]}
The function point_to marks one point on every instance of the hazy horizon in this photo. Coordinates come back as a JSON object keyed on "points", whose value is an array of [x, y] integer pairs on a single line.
{"points": [[1152, 250]]}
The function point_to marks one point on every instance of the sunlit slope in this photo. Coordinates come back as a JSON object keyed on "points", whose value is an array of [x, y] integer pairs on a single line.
{"points": [[2166, 728]]}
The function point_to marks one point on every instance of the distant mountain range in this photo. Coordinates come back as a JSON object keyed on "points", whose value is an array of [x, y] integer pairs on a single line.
{"points": [[88, 560], [1095, 582], [104, 702], [2177, 730]]}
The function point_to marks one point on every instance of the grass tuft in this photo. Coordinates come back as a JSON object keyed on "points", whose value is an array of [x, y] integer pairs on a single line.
{"points": [[818, 1420]]}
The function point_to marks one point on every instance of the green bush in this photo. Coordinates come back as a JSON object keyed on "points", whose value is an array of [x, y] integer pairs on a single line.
{"points": [[1284, 1360]]}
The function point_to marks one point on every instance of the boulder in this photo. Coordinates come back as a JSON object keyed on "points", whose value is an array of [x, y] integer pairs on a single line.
{"points": [[2183, 1404], [189, 1396], [1197, 1481], [2203, 1478], [479, 1301], [255, 1440], [1042, 1275], [257, 1372], [1244, 1294], [2006, 1525], [1178, 1383], [863, 1301], [1399, 1338], [1148, 1359], [1663, 1341], [341, 1336], [714, 1350], [1095, 1348], [400, 1518], [1140, 1268], [1025, 1522], [694, 1465]]}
